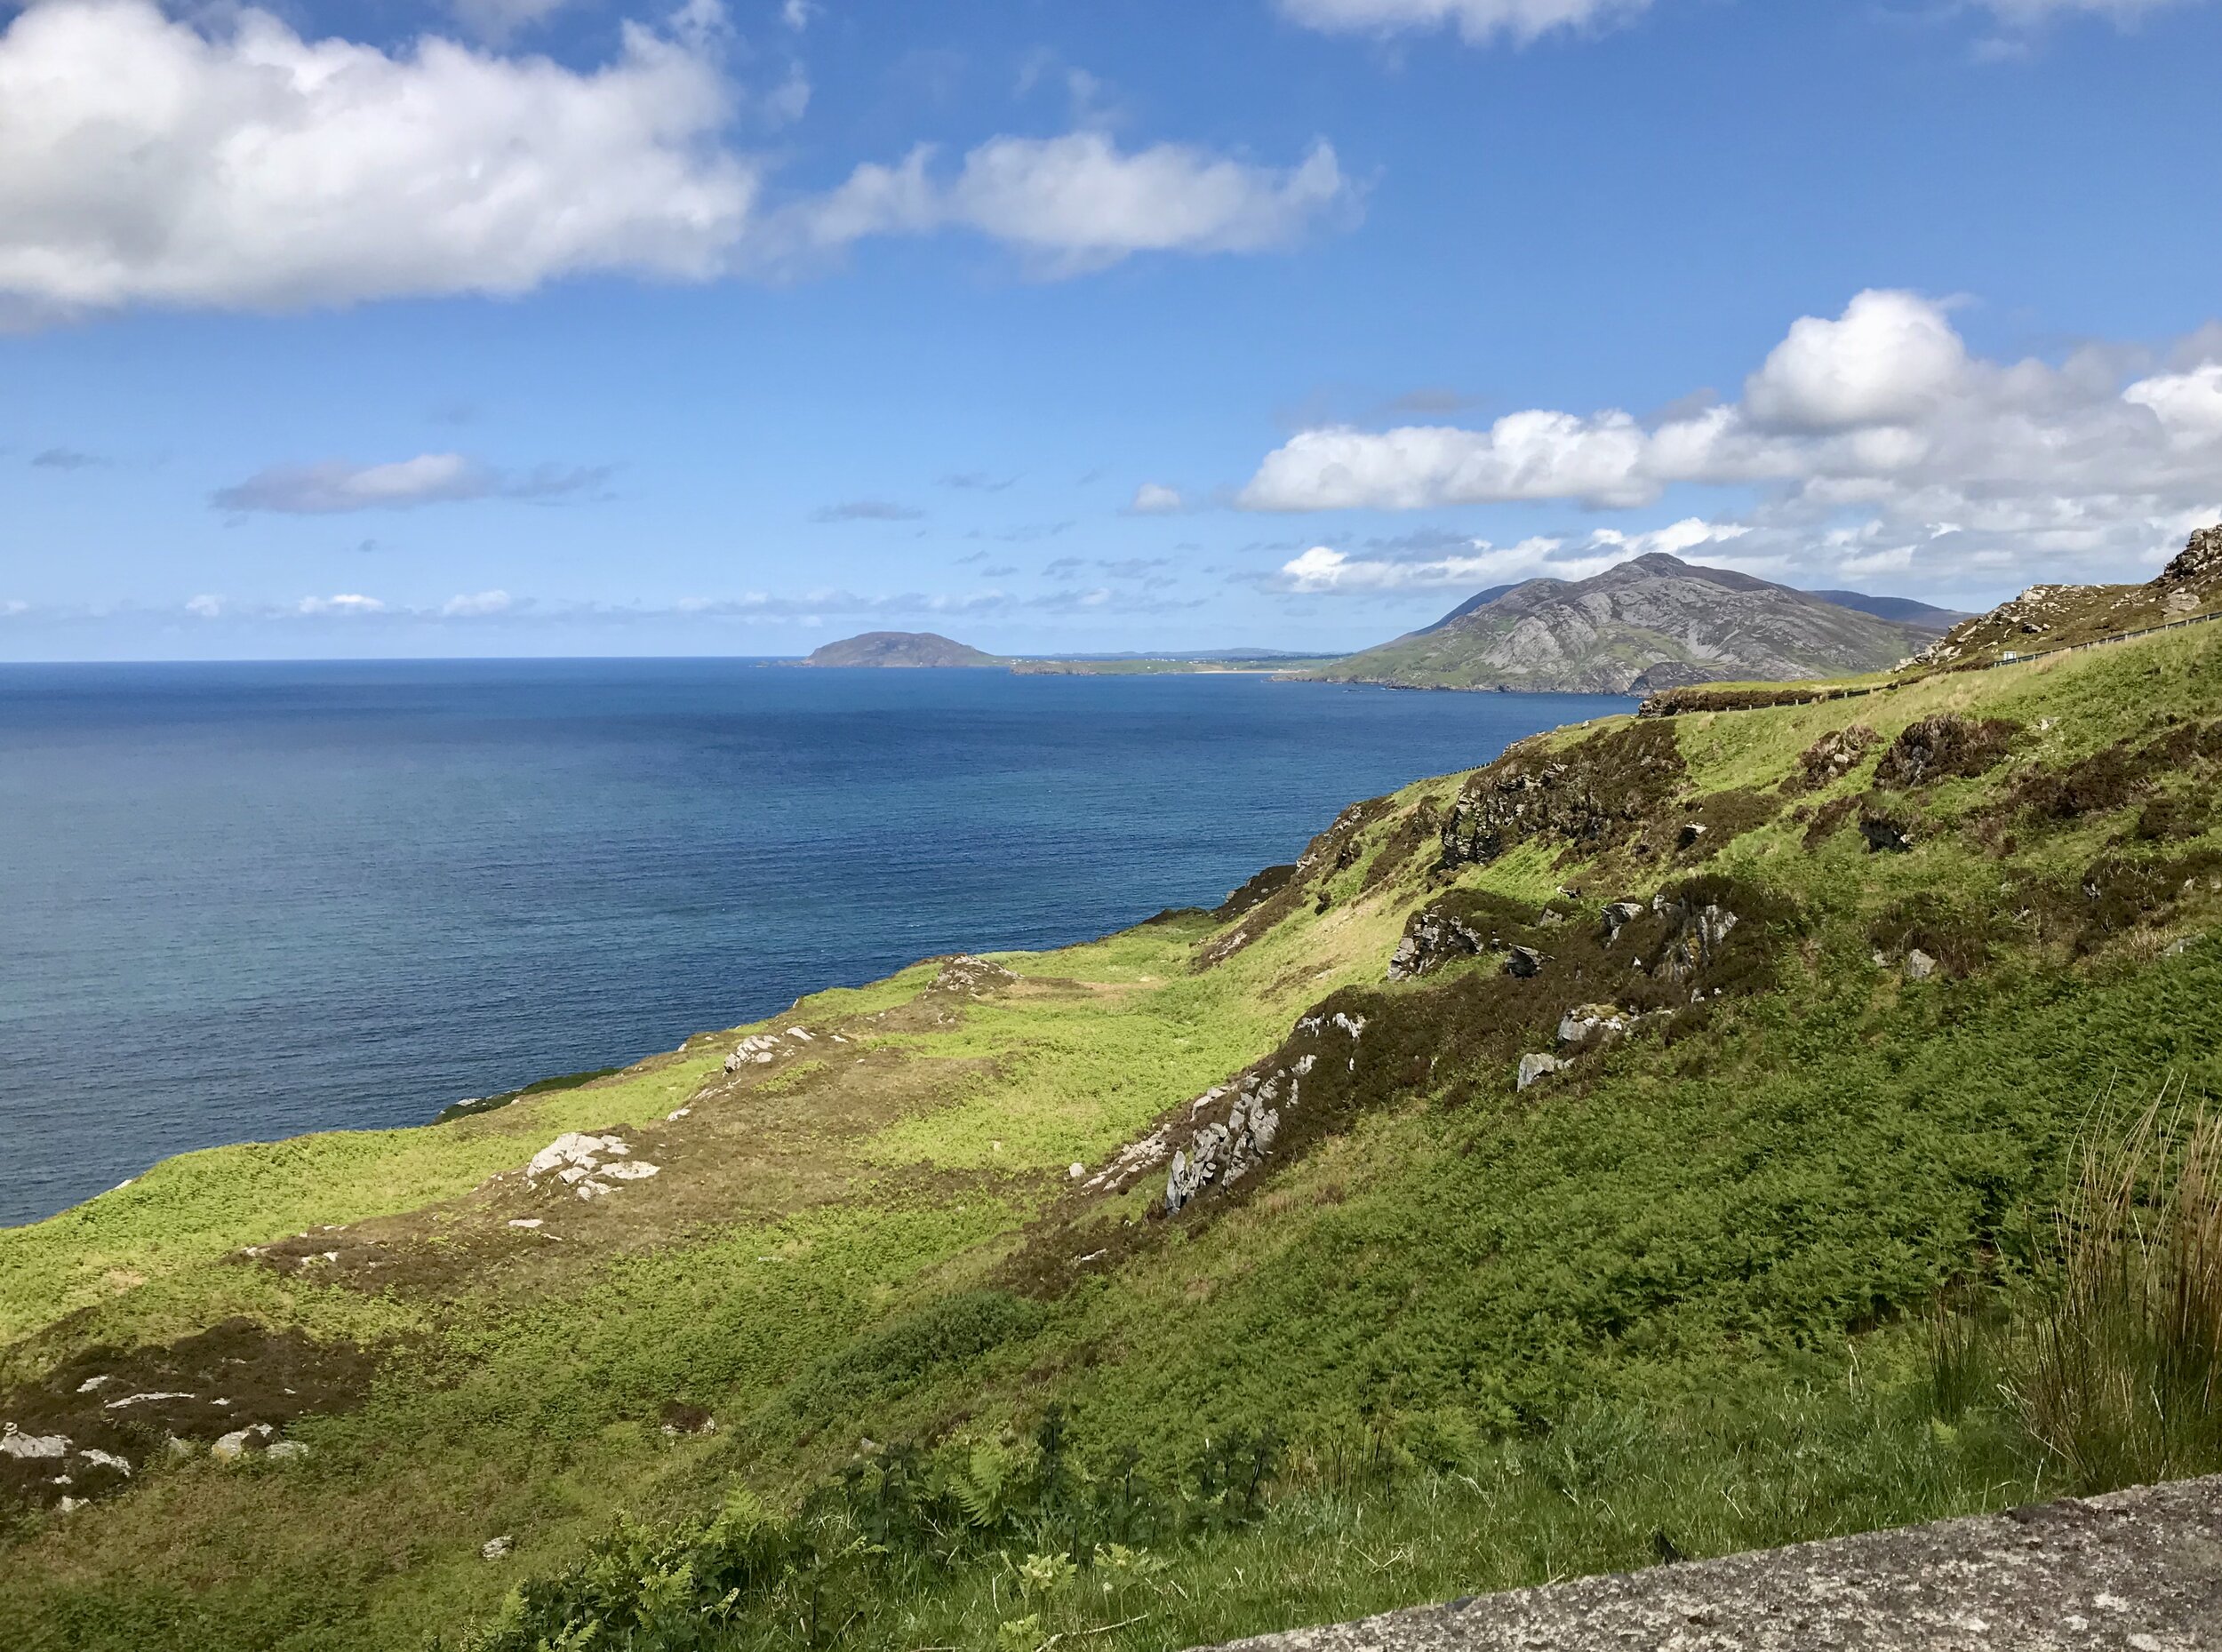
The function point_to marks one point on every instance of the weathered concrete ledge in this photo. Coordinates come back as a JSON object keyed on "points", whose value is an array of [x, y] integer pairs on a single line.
{"points": [[2140, 1570]]}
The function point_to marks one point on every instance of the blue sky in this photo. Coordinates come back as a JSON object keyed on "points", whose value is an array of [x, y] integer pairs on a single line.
{"points": [[554, 326]]}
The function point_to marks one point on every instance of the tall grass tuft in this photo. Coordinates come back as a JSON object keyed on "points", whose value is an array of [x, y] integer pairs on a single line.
{"points": [[2122, 1377]]}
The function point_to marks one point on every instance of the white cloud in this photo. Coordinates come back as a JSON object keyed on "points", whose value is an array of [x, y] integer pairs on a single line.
{"points": [[226, 161], [13, 606], [1323, 571], [1889, 359], [1078, 202], [346, 603], [1154, 498], [204, 606], [476, 605], [2189, 405], [336, 485], [1477, 20], [142, 160], [1879, 418]]}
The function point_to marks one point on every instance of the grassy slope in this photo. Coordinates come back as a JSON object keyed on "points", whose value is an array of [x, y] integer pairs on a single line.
{"points": [[1691, 1246]]}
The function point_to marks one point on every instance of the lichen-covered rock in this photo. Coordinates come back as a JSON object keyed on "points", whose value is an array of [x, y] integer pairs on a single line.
{"points": [[1696, 940], [1433, 937], [1594, 1025], [1537, 1066], [758, 1050], [573, 1151], [1525, 962]]}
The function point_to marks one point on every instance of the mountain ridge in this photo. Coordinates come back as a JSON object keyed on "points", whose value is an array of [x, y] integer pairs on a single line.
{"points": [[1653, 621]]}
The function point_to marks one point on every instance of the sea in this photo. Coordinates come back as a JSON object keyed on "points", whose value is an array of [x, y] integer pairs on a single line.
{"points": [[244, 901]]}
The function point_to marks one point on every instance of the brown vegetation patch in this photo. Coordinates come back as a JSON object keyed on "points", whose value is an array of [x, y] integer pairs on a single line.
{"points": [[129, 1403], [1959, 940], [1725, 817], [1594, 794], [1944, 746], [1420, 826], [1833, 756], [1829, 819]]}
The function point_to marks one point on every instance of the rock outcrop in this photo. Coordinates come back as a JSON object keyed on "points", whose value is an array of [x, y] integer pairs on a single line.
{"points": [[2140, 1570]]}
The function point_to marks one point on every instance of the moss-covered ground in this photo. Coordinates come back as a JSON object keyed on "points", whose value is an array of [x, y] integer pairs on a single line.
{"points": [[1668, 1301]]}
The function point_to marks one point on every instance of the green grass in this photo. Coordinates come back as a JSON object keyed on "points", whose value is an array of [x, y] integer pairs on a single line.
{"points": [[1674, 1297]]}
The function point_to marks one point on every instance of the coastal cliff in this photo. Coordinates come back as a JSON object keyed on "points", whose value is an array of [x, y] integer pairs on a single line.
{"points": [[1649, 1145]]}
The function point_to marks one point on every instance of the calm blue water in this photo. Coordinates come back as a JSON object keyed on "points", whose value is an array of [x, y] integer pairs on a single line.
{"points": [[243, 901]]}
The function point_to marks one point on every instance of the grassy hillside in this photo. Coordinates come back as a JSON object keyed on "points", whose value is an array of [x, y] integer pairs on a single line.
{"points": [[865, 1362]]}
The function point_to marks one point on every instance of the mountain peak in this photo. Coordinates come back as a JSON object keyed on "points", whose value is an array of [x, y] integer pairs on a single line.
{"points": [[1652, 614]]}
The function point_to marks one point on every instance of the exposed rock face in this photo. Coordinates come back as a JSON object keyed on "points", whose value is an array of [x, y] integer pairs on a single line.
{"points": [[1699, 934], [1835, 754], [967, 976], [1432, 939], [1591, 793], [898, 649], [1223, 1149], [2140, 1569], [1652, 622], [1534, 1068], [2060, 615], [586, 1164]]}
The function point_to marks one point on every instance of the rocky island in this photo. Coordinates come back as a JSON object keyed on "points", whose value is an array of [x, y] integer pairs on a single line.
{"points": [[900, 649]]}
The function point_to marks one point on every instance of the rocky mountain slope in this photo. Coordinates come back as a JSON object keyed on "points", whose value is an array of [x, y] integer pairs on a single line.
{"points": [[1614, 1153], [898, 649], [2060, 615], [1652, 622]]}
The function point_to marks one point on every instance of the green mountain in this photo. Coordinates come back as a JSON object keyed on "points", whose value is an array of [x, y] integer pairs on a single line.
{"points": [[1652, 622], [898, 649], [1654, 1142]]}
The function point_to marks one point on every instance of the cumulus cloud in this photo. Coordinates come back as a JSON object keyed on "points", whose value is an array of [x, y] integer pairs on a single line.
{"points": [[1468, 563], [1878, 420], [144, 160], [1481, 22], [1079, 202], [226, 161], [336, 485], [1154, 498]]}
